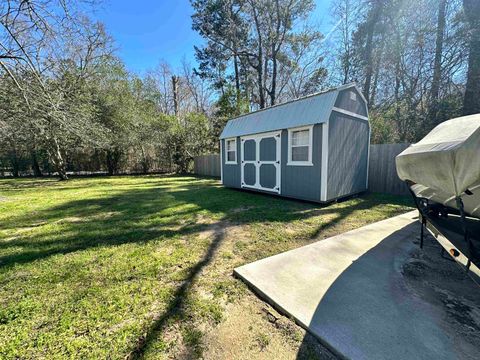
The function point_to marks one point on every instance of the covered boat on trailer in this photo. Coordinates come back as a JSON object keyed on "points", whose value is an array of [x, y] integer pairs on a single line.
{"points": [[443, 174]]}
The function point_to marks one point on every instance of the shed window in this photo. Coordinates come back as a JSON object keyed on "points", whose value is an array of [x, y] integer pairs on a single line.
{"points": [[353, 96], [231, 151], [300, 146]]}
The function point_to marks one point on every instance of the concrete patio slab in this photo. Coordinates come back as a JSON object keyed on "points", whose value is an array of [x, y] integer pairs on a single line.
{"points": [[350, 293]]}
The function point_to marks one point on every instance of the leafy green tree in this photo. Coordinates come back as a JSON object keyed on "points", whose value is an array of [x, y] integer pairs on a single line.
{"points": [[188, 137], [227, 107], [257, 39]]}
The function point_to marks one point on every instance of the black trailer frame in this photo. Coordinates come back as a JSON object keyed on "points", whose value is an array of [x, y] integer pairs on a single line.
{"points": [[452, 223]]}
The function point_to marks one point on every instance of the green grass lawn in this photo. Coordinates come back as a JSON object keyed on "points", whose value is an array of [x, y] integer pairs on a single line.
{"points": [[141, 266]]}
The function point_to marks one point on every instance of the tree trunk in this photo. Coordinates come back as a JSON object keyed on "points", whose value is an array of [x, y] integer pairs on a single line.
{"points": [[374, 87], [35, 166], [145, 162], [110, 165], [273, 90], [437, 67], [265, 77], [175, 94], [345, 56], [57, 160], [259, 57], [471, 101], [61, 169], [376, 72], [14, 163], [113, 161], [374, 16], [237, 81], [261, 93], [398, 115]]}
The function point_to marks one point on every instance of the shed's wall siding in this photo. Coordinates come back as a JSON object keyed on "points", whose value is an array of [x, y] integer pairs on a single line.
{"points": [[302, 182], [231, 172], [344, 102], [347, 155]]}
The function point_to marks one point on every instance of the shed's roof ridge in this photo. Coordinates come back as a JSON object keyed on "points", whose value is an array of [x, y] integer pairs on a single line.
{"points": [[318, 93]]}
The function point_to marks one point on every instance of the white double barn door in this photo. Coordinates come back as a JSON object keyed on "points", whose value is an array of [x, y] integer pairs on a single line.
{"points": [[260, 161]]}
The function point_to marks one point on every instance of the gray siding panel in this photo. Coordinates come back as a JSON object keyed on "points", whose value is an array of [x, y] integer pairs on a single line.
{"points": [[302, 182], [344, 102], [231, 172], [347, 156]]}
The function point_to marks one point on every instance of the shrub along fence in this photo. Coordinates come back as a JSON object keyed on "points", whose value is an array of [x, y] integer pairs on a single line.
{"points": [[382, 173]]}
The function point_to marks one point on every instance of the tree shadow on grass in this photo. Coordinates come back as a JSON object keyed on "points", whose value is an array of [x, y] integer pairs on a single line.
{"points": [[177, 307]]}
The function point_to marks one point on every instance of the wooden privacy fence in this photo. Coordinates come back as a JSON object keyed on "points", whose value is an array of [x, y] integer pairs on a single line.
{"points": [[207, 165], [382, 173]]}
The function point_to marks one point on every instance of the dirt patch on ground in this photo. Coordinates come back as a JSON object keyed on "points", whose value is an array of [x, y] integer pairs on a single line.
{"points": [[253, 330], [442, 282]]}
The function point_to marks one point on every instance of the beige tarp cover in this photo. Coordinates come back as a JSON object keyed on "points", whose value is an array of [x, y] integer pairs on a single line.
{"points": [[445, 163]]}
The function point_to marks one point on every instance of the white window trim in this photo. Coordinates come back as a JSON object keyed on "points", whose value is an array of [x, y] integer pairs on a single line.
{"points": [[310, 146], [226, 152]]}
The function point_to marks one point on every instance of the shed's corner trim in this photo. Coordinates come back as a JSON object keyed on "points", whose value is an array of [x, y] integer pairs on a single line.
{"points": [[324, 173]]}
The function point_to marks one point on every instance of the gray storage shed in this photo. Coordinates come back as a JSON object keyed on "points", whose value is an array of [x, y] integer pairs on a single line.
{"points": [[314, 148]]}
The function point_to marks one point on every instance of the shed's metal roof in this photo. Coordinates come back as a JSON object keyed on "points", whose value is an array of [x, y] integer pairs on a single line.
{"points": [[309, 110]]}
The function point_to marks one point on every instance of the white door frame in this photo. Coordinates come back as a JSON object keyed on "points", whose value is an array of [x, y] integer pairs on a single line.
{"points": [[277, 135]]}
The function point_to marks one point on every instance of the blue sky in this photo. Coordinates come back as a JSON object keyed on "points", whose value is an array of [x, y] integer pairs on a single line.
{"points": [[149, 31]]}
